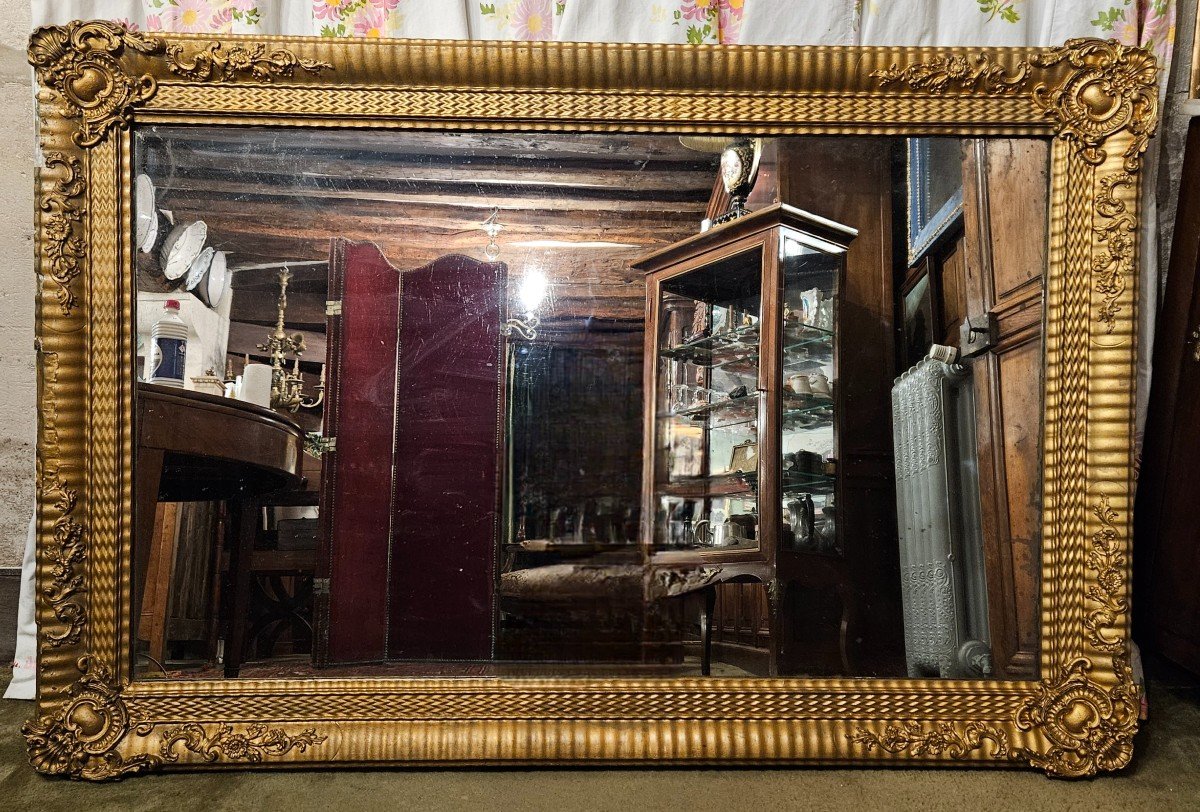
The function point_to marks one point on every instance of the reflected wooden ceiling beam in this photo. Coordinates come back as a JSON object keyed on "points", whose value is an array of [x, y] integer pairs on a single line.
{"points": [[188, 167], [540, 145], [192, 191], [261, 307]]}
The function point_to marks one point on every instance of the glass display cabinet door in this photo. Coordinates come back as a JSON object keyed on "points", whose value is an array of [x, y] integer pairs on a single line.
{"points": [[808, 383], [708, 406], [742, 367]]}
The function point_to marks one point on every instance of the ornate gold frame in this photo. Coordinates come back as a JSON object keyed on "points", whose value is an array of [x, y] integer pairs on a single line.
{"points": [[1098, 99]]}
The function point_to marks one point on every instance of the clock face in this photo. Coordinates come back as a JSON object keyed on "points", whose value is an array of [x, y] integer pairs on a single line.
{"points": [[733, 170]]}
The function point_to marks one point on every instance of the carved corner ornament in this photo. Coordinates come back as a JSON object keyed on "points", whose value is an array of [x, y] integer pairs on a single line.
{"points": [[1111, 88], [81, 63], [80, 740], [1089, 727]]}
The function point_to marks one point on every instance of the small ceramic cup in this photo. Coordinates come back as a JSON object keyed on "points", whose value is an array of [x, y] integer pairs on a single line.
{"points": [[818, 383]]}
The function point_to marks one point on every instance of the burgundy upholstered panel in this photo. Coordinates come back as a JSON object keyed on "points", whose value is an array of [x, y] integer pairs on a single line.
{"points": [[448, 444], [357, 493]]}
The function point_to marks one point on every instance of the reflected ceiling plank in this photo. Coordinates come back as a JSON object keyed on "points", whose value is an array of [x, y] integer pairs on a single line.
{"points": [[563, 146], [267, 191], [423, 172]]}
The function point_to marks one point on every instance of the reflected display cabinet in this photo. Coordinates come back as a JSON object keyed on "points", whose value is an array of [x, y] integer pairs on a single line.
{"points": [[741, 415]]}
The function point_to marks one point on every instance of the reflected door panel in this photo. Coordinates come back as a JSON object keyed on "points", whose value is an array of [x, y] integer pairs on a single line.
{"points": [[356, 505], [416, 368]]}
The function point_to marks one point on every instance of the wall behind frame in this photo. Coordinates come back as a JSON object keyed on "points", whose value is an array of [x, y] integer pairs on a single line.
{"points": [[17, 383]]}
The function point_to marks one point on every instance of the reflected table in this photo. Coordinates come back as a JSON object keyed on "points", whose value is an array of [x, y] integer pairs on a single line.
{"points": [[195, 447]]}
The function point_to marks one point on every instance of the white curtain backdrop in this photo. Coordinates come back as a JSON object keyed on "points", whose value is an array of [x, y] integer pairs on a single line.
{"points": [[979, 23], [771, 22]]}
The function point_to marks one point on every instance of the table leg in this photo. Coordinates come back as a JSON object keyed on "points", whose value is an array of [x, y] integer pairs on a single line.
{"points": [[706, 623], [245, 517], [148, 476]]}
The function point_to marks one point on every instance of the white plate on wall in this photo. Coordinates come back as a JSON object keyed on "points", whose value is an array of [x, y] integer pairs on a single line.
{"points": [[146, 220], [183, 245], [212, 290], [198, 270]]}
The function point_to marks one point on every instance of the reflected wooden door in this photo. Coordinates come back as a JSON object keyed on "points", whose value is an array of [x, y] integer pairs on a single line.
{"points": [[410, 498], [1005, 187]]}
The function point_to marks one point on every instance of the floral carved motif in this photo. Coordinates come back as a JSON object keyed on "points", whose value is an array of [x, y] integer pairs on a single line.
{"points": [[67, 554], [1117, 231], [254, 745], [79, 739], [224, 64], [1110, 563], [964, 73], [946, 739], [81, 61], [63, 208]]}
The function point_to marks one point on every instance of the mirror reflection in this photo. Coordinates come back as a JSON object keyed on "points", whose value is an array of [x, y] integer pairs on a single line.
{"points": [[517, 404]]}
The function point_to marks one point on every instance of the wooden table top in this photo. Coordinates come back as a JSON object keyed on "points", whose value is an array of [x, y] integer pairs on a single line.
{"points": [[217, 448]]}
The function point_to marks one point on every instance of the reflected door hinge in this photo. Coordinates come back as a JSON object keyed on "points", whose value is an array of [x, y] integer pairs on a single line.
{"points": [[977, 334], [316, 445], [333, 308], [320, 586]]}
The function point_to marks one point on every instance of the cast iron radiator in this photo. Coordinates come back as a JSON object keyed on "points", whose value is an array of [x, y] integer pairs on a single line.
{"points": [[937, 509]]}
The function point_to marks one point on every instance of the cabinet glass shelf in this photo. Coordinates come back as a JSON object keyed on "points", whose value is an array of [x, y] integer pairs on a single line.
{"points": [[727, 350]]}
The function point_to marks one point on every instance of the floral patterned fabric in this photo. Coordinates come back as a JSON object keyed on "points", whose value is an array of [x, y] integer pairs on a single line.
{"points": [[761, 22]]}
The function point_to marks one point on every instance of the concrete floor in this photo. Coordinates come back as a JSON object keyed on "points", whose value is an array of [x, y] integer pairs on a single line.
{"points": [[1164, 776]]}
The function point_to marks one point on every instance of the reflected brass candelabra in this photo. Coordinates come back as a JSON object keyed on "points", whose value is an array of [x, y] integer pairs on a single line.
{"points": [[287, 387]]}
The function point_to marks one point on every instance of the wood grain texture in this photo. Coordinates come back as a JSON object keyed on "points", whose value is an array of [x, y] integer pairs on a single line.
{"points": [[1005, 249]]}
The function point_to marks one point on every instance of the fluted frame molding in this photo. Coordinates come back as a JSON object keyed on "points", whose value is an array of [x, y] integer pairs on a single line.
{"points": [[1096, 99]]}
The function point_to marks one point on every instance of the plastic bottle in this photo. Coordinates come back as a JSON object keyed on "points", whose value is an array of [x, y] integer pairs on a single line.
{"points": [[168, 347]]}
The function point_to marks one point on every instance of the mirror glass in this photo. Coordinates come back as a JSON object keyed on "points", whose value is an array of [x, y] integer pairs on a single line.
{"points": [[573, 405]]}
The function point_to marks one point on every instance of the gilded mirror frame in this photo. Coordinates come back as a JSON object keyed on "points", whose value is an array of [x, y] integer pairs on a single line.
{"points": [[1097, 99]]}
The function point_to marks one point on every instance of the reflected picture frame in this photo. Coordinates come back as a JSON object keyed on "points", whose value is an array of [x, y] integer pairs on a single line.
{"points": [[930, 214], [744, 458], [1096, 99]]}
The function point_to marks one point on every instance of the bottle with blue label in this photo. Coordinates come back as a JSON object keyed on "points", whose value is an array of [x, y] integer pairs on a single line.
{"points": [[168, 347]]}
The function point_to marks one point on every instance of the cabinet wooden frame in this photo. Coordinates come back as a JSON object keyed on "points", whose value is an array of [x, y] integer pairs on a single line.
{"points": [[1097, 99]]}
